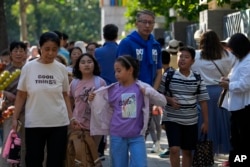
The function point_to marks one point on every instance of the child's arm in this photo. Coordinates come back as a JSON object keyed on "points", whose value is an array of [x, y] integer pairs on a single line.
{"points": [[173, 102], [73, 122], [204, 110], [155, 97]]}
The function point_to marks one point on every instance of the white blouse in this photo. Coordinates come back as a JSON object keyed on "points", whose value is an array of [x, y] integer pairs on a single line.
{"points": [[209, 71], [239, 86]]}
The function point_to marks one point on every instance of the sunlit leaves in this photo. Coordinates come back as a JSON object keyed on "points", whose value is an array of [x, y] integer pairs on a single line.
{"points": [[80, 19], [188, 9]]}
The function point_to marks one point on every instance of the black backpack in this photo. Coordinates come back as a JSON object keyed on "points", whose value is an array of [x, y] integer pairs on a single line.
{"points": [[170, 72]]}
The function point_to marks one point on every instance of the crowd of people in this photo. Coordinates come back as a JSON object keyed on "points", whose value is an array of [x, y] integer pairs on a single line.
{"points": [[124, 92]]}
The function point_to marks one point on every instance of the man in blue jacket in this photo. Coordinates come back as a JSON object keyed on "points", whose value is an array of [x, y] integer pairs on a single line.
{"points": [[142, 45]]}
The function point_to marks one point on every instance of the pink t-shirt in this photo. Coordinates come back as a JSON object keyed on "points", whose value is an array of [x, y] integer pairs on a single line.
{"points": [[81, 91]]}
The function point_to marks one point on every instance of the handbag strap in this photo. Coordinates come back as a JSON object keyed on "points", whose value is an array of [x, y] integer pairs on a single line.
{"points": [[203, 136], [220, 73], [218, 68]]}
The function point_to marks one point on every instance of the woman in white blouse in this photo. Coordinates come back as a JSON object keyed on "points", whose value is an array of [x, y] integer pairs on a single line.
{"points": [[238, 100]]}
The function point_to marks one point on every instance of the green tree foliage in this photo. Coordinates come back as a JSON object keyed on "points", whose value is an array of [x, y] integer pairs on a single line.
{"points": [[188, 9], [241, 4], [80, 20], [13, 30]]}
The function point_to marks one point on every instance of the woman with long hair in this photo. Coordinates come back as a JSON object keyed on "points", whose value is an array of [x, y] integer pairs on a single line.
{"points": [[212, 61]]}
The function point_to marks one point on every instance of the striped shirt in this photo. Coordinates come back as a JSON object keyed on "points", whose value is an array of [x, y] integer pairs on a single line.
{"points": [[184, 89]]}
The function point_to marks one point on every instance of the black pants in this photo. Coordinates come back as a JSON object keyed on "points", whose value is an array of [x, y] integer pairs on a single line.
{"points": [[101, 147], [240, 140], [54, 138]]}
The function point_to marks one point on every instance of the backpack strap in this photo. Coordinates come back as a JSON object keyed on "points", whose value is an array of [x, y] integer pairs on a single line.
{"points": [[170, 72], [97, 82], [74, 83], [198, 79]]}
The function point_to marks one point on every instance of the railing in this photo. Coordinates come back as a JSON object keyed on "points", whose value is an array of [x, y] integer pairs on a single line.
{"points": [[238, 22]]}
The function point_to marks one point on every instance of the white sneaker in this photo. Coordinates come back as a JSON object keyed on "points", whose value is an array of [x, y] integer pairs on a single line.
{"points": [[156, 148]]}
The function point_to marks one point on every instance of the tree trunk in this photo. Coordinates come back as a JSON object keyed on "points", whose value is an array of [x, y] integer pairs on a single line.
{"points": [[38, 17], [3, 28], [23, 21]]}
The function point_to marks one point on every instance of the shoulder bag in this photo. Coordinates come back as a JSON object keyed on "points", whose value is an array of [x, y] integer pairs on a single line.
{"points": [[223, 92]]}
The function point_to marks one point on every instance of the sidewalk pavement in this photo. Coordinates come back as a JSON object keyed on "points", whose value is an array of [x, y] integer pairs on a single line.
{"points": [[155, 161], [153, 158]]}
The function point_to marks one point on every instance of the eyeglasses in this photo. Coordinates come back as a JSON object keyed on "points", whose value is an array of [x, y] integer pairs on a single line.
{"points": [[145, 22]]}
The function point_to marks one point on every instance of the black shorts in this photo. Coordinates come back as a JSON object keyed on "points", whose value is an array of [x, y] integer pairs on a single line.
{"points": [[184, 136]]}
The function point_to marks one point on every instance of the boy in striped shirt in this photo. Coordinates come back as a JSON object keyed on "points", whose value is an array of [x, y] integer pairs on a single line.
{"points": [[183, 91]]}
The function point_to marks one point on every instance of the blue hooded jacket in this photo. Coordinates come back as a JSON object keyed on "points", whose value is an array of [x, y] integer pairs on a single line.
{"points": [[148, 52]]}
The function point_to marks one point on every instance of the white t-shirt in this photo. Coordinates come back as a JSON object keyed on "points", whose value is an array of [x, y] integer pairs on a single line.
{"points": [[44, 84]]}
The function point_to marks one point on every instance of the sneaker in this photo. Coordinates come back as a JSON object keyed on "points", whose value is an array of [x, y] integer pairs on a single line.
{"points": [[165, 154], [156, 148], [102, 157], [153, 149]]}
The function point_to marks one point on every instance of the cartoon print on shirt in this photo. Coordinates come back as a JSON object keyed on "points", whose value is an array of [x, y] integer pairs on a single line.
{"points": [[84, 97], [128, 105]]}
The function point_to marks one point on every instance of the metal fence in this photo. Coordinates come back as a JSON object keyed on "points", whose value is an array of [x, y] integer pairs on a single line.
{"points": [[238, 22]]}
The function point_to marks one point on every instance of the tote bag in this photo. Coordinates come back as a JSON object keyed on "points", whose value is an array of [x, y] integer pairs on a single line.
{"points": [[203, 154]]}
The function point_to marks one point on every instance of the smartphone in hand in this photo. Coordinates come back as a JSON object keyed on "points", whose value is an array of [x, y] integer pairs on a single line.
{"points": [[218, 81]]}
